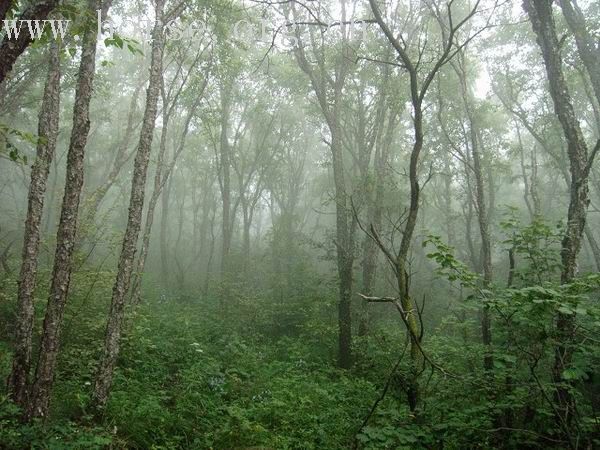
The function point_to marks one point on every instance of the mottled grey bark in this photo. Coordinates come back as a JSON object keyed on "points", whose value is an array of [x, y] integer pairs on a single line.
{"points": [[67, 228], [542, 20], [48, 133], [104, 376]]}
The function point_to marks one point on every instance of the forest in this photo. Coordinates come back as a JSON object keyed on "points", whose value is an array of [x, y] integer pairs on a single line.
{"points": [[299, 224]]}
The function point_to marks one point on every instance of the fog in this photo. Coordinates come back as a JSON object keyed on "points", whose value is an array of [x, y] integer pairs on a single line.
{"points": [[299, 224]]}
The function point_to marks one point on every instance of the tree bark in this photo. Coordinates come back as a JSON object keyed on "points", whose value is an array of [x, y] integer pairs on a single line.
{"points": [[12, 48], [114, 325], [48, 133]]}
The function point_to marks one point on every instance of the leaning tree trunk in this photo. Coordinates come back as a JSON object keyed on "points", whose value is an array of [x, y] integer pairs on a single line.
{"points": [[67, 229], [114, 325], [542, 20], [97, 196], [48, 133], [161, 177], [13, 46]]}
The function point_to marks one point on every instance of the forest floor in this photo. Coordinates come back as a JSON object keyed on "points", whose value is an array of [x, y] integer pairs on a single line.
{"points": [[257, 373]]}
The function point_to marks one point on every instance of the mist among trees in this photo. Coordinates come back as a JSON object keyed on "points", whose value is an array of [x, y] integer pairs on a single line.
{"points": [[299, 224]]}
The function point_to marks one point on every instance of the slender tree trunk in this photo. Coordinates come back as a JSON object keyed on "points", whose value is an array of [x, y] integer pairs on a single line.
{"points": [[225, 175], [246, 225], [48, 133], [481, 206], [157, 188], [67, 229], [114, 325], [211, 251], [418, 90], [345, 255], [413, 390], [376, 214], [344, 240]]}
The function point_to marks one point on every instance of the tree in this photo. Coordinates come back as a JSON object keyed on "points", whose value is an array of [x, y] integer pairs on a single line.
{"points": [[542, 21], [419, 86], [47, 135], [114, 324], [329, 92]]}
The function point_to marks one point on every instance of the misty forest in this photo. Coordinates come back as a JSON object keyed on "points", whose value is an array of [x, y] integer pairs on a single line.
{"points": [[299, 224]]}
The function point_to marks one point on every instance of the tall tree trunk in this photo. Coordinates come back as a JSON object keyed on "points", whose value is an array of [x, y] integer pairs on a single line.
{"points": [[225, 178], [211, 250], [48, 133], [67, 228], [114, 325], [542, 20], [330, 98], [246, 225], [345, 254], [418, 92], [480, 203]]}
